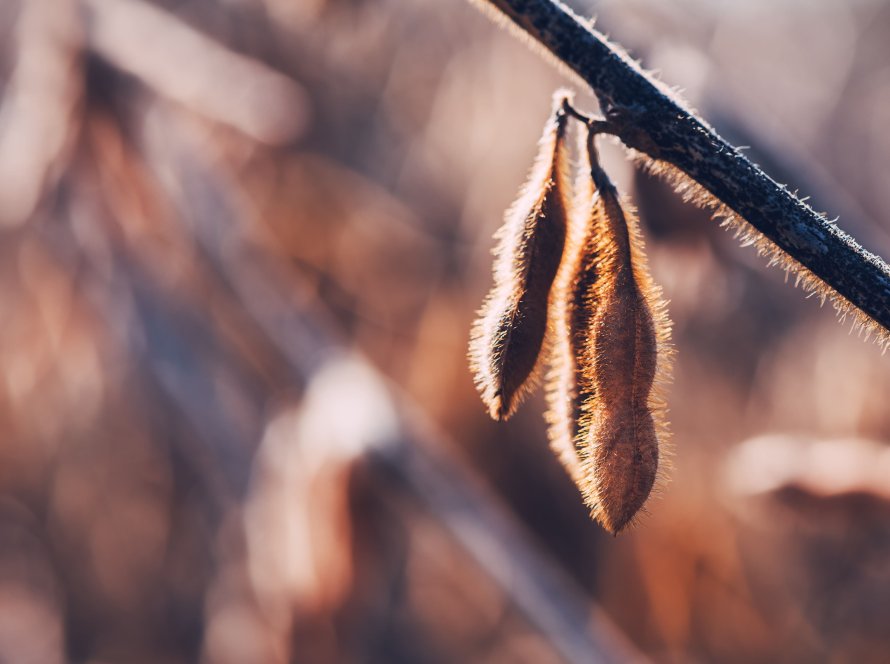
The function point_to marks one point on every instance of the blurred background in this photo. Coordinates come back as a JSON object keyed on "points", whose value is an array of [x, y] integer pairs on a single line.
{"points": [[241, 246]]}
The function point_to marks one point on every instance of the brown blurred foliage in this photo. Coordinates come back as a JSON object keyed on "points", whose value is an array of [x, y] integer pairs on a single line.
{"points": [[242, 246]]}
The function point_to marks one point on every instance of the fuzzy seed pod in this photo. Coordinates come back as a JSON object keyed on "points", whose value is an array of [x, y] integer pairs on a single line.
{"points": [[573, 307], [605, 412], [507, 338]]}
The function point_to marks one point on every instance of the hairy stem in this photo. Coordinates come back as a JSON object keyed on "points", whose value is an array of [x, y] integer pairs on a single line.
{"points": [[648, 120]]}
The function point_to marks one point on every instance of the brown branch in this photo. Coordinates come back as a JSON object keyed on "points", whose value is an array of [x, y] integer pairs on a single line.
{"points": [[647, 119]]}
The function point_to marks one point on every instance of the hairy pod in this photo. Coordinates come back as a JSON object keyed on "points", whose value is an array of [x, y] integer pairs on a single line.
{"points": [[510, 332], [606, 414], [573, 306]]}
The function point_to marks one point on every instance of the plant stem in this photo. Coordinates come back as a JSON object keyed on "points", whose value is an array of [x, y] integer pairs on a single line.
{"points": [[645, 118]]}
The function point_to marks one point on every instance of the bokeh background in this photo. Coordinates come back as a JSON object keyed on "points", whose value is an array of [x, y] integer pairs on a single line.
{"points": [[241, 246]]}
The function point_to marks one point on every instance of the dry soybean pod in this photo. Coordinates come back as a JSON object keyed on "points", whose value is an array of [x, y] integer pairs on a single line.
{"points": [[625, 360], [508, 336], [573, 304]]}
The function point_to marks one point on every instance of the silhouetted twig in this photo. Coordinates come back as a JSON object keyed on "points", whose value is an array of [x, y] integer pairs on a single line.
{"points": [[649, 120]]}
